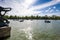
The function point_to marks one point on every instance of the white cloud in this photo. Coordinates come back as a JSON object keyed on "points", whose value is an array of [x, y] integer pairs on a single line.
{"points": [[51, 10], [54, 7], [57, 10], [18, 8], [21, 7], [53, 2]]}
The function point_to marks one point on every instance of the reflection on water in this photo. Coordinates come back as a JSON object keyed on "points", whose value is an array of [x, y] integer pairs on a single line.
{"points": [[35, 30], [28, 32]]}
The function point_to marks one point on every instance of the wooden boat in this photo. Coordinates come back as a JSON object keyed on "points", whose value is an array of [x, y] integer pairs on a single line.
{"points": [[5, 32]]}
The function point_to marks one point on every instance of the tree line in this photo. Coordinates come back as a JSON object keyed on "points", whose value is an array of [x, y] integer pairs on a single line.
{"points": [[53, 17]]}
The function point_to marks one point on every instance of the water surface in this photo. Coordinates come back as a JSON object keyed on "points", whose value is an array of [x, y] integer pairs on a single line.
{"points": [[35, 30]]}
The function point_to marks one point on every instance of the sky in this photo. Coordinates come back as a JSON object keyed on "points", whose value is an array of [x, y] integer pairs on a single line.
{"points": [[32, 7]]}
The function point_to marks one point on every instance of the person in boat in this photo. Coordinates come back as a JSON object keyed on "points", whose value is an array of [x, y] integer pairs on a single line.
{"points": [[2, 19]]}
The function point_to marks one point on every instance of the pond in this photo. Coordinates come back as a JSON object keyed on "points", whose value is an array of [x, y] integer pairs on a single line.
{"points": [[35, 30]]}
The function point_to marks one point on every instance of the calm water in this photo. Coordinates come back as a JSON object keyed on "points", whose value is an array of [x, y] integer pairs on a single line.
{"points": [[35, 30]]}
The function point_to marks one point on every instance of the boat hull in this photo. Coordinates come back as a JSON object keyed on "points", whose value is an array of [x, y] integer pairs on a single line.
{"points": [[5, 32]]}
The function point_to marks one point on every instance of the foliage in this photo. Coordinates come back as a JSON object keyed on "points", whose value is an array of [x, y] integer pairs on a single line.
{"points": [[53, 17]]}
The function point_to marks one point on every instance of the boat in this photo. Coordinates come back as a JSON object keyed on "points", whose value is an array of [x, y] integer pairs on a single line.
{"points": [[5, 32], [21, 20], [4, 23], [47, 21]]}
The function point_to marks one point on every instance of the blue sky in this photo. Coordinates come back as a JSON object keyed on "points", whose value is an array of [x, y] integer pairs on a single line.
{"points": [[32, 7], [54, 9], [39, 2]]}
